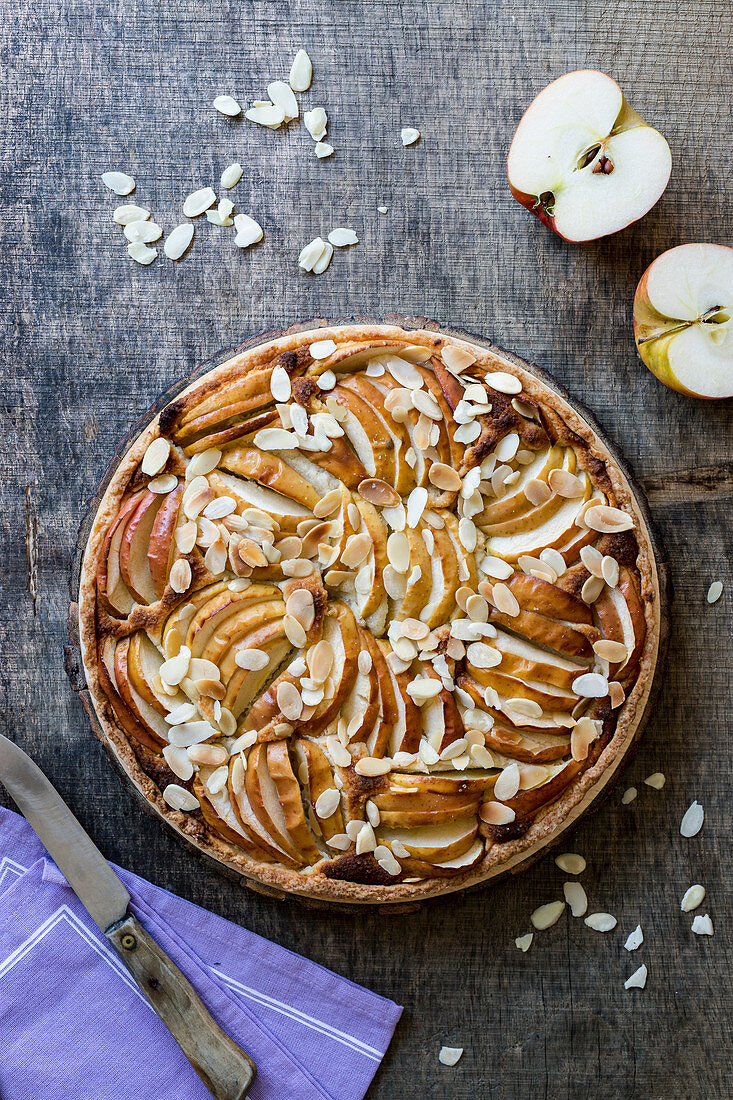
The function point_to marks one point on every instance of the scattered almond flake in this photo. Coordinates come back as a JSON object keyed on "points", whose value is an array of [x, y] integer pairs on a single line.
{"points": [[366, 841], [566, 484], [231, 175], [155, 456], [266, 114], [504, 600], [119, 182], [610, 571], [163, 484], [537, 492], [409, 135], [494, 813], [629, 795], [715, 591], [694, 896], [635, 939], [449, 1056], [249, 231], [227, 105], [371, 765], [389, 864], [547, 915], [481, 655], [592, 589], [324, 260], [311, 254], [571, 863], [457, 358], [467, 433], [301, 72], [496, 567], [216, 217], [576, 898], [316, 122], [613, 652], [178, 241], [656, 780], [507, 783], [607, 520], [321, 349], [503, 382], [198, 201], [616, 694], [178, 798], [178, 762], [591, 685], [524, 942], [322, 150], [140, 253], [601, 922], [702, 926], [382, 209], [125, 215], [280, 384], [294, 631], [341, 237], [282, 96], [692, 821], [637, 979]]}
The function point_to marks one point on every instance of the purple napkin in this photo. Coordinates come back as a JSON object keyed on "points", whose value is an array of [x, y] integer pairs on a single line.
{"points": [[74, 1026]]}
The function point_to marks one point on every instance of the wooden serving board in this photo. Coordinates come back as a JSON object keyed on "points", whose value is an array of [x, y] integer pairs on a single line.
{"points": [[592, 798]]}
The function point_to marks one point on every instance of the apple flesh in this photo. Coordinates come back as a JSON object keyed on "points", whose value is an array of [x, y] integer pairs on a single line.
{"points": [[683, 319], [584, 161]]}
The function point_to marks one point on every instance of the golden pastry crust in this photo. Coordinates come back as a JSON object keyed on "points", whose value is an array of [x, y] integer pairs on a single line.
{"points": [[274, 837]]}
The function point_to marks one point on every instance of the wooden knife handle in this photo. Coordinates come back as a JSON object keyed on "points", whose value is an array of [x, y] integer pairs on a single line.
{"points": [[223, 1067]]}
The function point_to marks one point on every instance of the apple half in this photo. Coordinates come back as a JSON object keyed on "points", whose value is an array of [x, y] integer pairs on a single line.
{"points": [[584, 161], [683, 319]]}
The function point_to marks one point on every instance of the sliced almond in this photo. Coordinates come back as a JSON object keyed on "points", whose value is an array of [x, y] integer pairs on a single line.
{"points": [[601, 922], [607, 520], [715, 591], [576, 898], [592, 589], [327, 803], [613, 652], [294, 632], [503, 382], [155, 456], [692, 821], [289, 701], [504, 600], [494, 813], [547, 915], [180, 576], [378, 492], [585, 732], [566, 484], [301, 72], [372, 765], [178, 798], [571, 863]]}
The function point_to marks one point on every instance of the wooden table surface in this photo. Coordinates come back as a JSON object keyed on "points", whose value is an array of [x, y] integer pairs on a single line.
{"points": [[90, 339]]}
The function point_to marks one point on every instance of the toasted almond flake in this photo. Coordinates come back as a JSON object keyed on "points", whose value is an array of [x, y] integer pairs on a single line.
{"points": [[610, 571], [231, 175], [125, 215], [444, 477], [571, 863], [591, 685], [537, 492], [576, 898], [547, 915], [585, 732], [524, 942], [629, 795], [156, 456], [694, 896], [656, 780], [715, 591], [592, 589], [457, 358], [356, 549], [607, 520], [301, 72], [566, 484], [299, 604], [496, 567], [616, 694], [341, 237], [210, 689], [477, 608], [448, 1056], [601, 922], [378, 492], [199, 201], [289, 701], [692, 822], [637, 979], [366, 841], [702, 925], [282, 96], [316, 122], [244, 741], [327, 803], [494, 813], [507, 783], [266, 114], [321, 349], [339, 754], [635, 939], [340, 841], [311, 254], [506, 448], [328, 504], [178, 762], [294, 631], [504, 600], [215, 558], [481, 655], [503, 382], [428, 754], [180, 576], [211, 755], [613, 652], [119, 182], [178, 798]]}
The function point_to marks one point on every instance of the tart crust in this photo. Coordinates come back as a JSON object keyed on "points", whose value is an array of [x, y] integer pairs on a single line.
{"points": [[148, 773]]}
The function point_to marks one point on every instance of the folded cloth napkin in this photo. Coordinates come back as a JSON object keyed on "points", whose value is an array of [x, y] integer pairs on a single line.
{"points": [[74, 1026]]}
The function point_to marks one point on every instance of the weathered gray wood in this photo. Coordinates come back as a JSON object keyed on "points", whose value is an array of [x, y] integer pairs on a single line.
{"points": [[226, 1070], [91, 339]]}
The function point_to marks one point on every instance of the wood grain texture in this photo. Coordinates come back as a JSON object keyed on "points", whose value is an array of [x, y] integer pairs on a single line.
{"points": [[90, 339]]}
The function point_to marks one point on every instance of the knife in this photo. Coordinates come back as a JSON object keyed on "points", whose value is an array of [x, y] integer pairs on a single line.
{"points": [[223, 1067]]}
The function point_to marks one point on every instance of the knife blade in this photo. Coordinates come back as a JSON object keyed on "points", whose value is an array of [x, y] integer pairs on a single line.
{"points": [[225, 1069]]}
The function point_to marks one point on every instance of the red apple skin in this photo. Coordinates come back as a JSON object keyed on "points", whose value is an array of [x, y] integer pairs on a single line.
{"points": [[161, 537], [532, 203]]}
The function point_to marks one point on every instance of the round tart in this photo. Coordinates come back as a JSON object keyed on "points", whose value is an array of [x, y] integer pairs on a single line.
{"points": [[369, 614]]}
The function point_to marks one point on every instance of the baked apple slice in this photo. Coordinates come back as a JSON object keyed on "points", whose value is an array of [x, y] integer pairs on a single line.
{"points": [[433, 843]]}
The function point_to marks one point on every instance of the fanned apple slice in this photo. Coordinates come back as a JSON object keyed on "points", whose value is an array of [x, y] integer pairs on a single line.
{"points": [[442, 723], [515, 502], [449, 452], [342, 634], [259, 833], [134, 564], [379, 740], [148, 716], [407, 729], [317, 777], [271, 471], [468, 576], [288, 793], [396, 470], [218, 812], [375, 597], [229, 612], [448, 868], [419, 577], [161, 546], [366, 432], [114, 594], [529, 748], [556, 530], [471, 785], [528, 662], [546, 632], [123, 715], [529, 516], [264, 800], [432, 843], [625, 599], [360, 710], [441, 600], [547, 695], [250, 494], [143, 666], [526, 803]]}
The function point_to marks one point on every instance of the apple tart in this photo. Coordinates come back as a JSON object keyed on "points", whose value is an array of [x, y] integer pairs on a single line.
{"points": [[369, 614]]}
